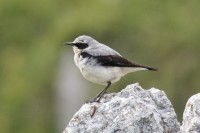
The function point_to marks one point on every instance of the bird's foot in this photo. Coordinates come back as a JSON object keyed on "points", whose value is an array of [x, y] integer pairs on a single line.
{"points": [[96, 99]]}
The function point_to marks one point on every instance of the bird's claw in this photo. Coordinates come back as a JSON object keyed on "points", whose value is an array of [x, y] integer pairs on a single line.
{"points": [[93, 100]]}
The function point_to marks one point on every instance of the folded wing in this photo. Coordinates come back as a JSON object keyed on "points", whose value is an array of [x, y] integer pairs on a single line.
{"points": [[115, 60]]}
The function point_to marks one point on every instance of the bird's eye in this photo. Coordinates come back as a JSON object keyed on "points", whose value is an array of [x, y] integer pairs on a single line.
{"points": [[81, 45]]}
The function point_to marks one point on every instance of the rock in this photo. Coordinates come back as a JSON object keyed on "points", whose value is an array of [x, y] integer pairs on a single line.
{"points": [[191, 115], [133, 110]]}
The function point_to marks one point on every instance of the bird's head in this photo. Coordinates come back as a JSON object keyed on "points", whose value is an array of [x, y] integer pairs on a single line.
{"points": [[82, 42]]}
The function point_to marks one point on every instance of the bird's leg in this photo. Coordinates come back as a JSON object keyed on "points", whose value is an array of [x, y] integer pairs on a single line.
{"points": [[95, 99], [100, 95], [103, 92]]}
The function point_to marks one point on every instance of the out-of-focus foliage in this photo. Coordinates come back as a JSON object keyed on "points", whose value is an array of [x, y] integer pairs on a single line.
{"points": [[164, 34]]}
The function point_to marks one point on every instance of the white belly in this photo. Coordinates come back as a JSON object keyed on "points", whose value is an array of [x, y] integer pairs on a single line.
{"points": [[99, 74], [102, 75]]}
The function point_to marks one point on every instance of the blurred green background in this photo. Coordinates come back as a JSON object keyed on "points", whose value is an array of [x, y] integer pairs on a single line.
{"points": [[163, 34]]}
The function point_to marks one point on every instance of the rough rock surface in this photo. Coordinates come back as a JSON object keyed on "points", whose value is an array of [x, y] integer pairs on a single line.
{"points": [[191, 115], [133, 110]]}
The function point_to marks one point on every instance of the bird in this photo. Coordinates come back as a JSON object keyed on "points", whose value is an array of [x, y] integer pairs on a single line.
{"points": [[101, 64]]}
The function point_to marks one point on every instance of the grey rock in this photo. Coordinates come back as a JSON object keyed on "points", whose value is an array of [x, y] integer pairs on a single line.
{"points": [[191, 115], [133, 110]]}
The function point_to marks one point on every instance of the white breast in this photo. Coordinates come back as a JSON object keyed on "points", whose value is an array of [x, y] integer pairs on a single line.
{"points": [[101, 74], [96, 73]]}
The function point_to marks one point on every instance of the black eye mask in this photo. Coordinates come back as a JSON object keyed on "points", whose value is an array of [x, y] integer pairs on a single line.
{"points": [[81, 45]]}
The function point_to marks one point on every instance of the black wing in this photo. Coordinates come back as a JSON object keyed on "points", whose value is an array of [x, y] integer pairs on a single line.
{"points": [[115, 60]]}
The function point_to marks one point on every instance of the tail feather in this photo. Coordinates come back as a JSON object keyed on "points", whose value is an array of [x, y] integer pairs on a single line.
{"points": [[151, 68], [126, 70], [143, 66]]}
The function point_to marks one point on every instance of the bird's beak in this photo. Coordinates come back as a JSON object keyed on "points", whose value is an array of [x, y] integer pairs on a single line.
{"points": [[69, 43]]}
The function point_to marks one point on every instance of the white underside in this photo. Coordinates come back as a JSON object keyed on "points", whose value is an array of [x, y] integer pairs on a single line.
{"points": [[100, 74]]}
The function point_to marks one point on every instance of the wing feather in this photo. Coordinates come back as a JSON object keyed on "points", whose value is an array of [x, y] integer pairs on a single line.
{"points": [[115, 61]]}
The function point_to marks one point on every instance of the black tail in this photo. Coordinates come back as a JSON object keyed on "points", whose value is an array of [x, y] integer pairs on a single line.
{"points": [[147, 67], [152, 69]]}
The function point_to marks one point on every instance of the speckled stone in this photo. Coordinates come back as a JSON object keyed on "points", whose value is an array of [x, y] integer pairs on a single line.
{"points": [[133, 110], [191, 115]]}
